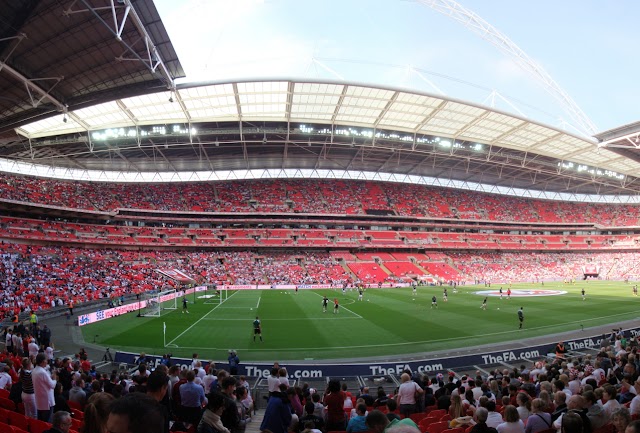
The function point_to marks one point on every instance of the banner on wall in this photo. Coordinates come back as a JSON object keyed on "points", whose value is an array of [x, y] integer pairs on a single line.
{"points": [[97, 316], [309, 371]]}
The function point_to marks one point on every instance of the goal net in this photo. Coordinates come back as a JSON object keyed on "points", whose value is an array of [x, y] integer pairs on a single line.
{"points": [[213, 296], [157, 301]]}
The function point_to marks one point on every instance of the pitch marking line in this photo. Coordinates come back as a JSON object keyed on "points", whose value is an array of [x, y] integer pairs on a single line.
{"points": [[196, 322], [406, 343], [214, 319], [258, 304]]}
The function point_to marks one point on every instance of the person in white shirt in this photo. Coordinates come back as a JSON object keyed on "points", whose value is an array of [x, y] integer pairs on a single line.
{"points": [[33, 348], [407, 395], [43, 385], [273, 382], [5, 378], [494, 419], [634, 406], [49, 352], [513, 423], [609, 400]]}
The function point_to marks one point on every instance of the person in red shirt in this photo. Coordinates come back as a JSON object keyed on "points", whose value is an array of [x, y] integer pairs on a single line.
{"points": [[334, 403], [336, 305]]}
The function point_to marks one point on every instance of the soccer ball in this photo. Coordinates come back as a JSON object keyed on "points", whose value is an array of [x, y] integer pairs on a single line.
{"points": [[498, 308], [414, 299], [252, 309]]}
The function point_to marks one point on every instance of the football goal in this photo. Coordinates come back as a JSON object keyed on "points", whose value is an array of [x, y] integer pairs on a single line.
{"points": [[213, 295], [158, 301]]}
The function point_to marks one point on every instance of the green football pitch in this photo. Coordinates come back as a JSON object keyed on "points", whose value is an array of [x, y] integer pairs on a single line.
{"points": [[387, 322]]}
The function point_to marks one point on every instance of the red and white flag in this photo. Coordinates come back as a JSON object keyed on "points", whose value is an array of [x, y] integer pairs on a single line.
{"points": [[176, 274]]}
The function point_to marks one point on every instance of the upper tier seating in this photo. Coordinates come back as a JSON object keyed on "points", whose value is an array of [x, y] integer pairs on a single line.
{"points": [[311, 196]]}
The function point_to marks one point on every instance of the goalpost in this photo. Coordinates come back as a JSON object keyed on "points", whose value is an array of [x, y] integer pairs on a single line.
{"points": [[214, 295], [158, 301]]}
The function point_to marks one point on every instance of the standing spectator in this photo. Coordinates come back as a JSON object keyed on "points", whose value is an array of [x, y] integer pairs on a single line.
{"points": [[5, 378], [28, 397], [407, 395], [230, 416], [135, 413], [277, 415], [77, 394], [234, 362], [191, 399], [43, 385], [334, 401]]}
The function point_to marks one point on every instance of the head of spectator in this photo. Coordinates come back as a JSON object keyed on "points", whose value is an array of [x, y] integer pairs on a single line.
{"points": [[377, 421], [481, 415], [392, 405], [135, 413], [571, 423], [62, 421], [96, 412], [157, 384], [620, 418], [560, 398], [608, 393], [511, 414], [228, 385]]}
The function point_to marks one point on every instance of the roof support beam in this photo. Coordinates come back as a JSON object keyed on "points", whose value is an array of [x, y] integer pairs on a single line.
{"points": [[152, 59], [32, 87]]}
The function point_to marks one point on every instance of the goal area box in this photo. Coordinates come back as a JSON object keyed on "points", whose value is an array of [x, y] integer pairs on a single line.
{"points": [[213, 296], [156, 302]]}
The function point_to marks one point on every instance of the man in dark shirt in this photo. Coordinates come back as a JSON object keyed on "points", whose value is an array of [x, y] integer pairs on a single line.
{"points": [[318, 423], [481, 419]]}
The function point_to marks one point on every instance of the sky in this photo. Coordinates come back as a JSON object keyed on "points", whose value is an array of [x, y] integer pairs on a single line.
{"points": [[588, 47]]}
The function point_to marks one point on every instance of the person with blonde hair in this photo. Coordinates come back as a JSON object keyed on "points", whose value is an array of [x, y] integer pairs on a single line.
{"points": [[456, 409], [512, 422], [407, 393], [539, 419], [96, 413]]}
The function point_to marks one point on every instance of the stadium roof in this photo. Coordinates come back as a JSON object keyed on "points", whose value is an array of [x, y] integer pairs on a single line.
{"points": [[79, 100]]}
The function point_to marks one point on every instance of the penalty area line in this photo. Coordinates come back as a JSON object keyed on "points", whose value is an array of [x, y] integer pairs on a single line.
{"points": [[196, 322]]}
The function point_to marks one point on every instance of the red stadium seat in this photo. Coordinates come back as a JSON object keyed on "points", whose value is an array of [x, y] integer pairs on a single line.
{"points": [[7, 404], [37, 426], [76, 423], [438, 427], [18, 420], [417, 417]]}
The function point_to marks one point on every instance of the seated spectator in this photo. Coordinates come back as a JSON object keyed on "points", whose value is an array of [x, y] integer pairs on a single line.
{"points": [[310, 417], [135, 413], [481, 422], [96, 412], [572, 423], [620, 418], [538, 420], [378, 422], [60, 423], [595, 411], [358, 422], [512, 422], [210, 422]]}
